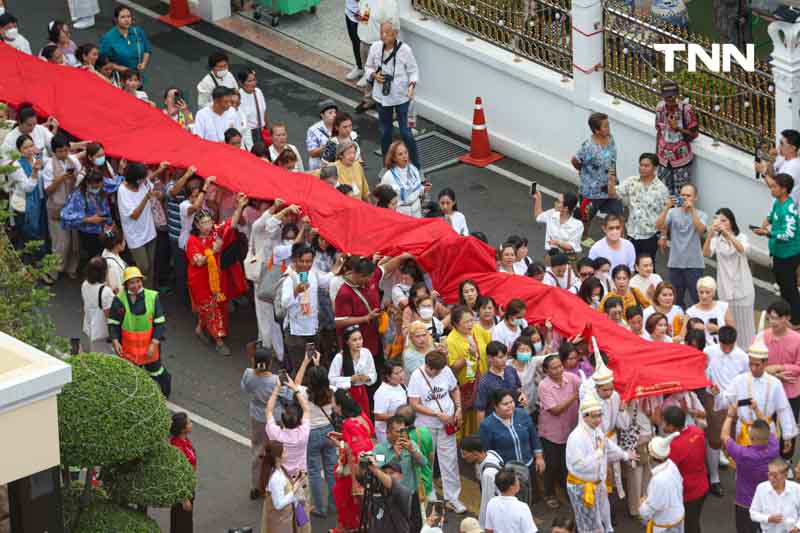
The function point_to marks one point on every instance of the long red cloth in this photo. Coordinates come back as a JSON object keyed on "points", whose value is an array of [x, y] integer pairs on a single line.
{"points": [[90, 108]]}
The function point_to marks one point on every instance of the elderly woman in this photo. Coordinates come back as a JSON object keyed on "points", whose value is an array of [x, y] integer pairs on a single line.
{"points": [[713, 313], [126, 45], [734, 280], [405, 179], [664, 303], [350, 170], [175, 107], [209, 288], [253, 104]]}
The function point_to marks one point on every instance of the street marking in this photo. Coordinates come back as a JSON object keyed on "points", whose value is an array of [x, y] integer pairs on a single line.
{"points": [[213, 426]]}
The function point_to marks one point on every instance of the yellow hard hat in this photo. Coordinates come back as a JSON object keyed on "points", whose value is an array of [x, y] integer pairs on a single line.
{"points": [[131, 273]]}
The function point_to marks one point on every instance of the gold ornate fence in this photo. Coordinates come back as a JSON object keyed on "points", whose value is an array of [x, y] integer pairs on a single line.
{"points": [[539, 30], [737, 108]]}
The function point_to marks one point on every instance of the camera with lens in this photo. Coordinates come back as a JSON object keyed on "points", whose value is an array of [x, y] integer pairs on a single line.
{"points": [[364, 460], [387, 84]]}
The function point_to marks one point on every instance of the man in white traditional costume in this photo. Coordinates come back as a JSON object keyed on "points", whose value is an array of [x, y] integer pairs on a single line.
{"points": [[83, 12], [757, 393], [588, 453], [662, 509]]}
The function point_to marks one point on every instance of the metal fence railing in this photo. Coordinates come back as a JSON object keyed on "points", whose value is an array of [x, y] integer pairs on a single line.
{"points": [[737, 107], [539, 30]]}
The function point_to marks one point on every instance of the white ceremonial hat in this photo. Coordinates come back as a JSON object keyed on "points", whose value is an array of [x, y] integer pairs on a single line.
{"points": [[659, 446], [602, 374], [758, 350], [591, 404]]}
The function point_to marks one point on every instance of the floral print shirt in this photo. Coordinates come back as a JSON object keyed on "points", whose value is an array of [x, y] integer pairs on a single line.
{"points": [[595, 161], [645, 202]]}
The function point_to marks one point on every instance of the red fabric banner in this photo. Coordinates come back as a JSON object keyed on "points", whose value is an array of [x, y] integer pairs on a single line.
{"points": [[90, 108]]}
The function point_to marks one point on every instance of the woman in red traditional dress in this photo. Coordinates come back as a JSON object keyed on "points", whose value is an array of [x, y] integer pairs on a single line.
{"points": [[356, 437], [211, 287]]}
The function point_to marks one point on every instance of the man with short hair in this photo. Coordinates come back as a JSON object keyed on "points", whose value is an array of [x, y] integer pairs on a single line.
{"points": [[725, 361], [421, 436], [776, 503], [685, 225], [212, 121], [614, 247], [399, 448], [505, 513], [785, 160], [645, 197], [11, 35], [487, 464], [559, 274], [688, 452], [395, 509]]}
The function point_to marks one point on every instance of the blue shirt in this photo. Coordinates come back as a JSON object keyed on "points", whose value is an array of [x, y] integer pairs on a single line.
{"points": [[515, 442], [125, 51], [81, 205], [595, 162], [491, 382]]}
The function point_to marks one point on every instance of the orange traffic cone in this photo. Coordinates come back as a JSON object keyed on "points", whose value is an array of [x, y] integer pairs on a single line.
{"points": [[480, 154], [179, 14]]}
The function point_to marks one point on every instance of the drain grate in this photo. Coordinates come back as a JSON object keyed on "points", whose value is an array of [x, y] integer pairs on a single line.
{"points": [[437, 151]]}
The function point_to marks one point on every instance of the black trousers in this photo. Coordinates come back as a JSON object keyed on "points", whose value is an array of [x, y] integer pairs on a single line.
{"points": [[646, 246], [555, 472], [352, 32], [90, 247], [795, 404], [163, 253], [693, 509], [785, 272], [181, 521], [743, 522]]}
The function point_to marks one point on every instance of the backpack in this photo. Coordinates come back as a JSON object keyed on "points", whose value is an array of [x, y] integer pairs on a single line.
{"points": [[277, 303], [525, 494]]}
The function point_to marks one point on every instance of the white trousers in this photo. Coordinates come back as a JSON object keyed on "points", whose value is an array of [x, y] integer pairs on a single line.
{"points": [[79, 9], [269, 332], [447, 452]]}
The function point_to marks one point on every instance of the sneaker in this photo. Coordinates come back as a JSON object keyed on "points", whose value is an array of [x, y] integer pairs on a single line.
{"points": [[723, 460], [362, 82], [456, 506], [83, 23], [354, 74]]}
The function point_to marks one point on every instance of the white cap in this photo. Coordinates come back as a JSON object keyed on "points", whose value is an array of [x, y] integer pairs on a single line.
{"points": [[602, 374], [758, 350], [591, 404], [659, 446]]}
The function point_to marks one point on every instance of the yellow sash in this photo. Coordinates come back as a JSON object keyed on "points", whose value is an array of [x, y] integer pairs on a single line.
{"points": [[743, 438], [651, 525], [588, 489], [610, 473]]}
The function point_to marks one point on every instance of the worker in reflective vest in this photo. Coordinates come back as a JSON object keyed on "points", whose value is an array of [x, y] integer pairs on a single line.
{"points": [[136, 326]]}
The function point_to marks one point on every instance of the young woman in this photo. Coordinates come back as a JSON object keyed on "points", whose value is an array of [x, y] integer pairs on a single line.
{"points": [[53, 54], [508, 329], [87, 210], [418, 344], [351, 171], [562, 230], [175, 107], [321, 449], [573, 361], [592, 292], [621, 276], [353, 369], [87, 55], [734, 280], [390, 395], [645, 279], [181, 518], [97, 298], [466, 349], [210, 287], [280, 140], [113, 245], [487, 314], [355, 438], [27, 199], [524, 360], [657, 326], [468, 294], [386, 197], [713, 313], [282, 493], [664, 303], [405, 179], [342, 131], [447, 203]]}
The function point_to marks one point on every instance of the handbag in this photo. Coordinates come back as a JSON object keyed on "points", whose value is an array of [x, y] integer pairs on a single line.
{"points": [[628, 439], [252, 262], [448, 428], [268, 277], [469, 390]]}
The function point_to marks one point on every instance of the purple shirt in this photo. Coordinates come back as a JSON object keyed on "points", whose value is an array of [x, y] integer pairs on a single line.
{"points": [[751, 467], [556, 428], [584, 365], [295, 441]]}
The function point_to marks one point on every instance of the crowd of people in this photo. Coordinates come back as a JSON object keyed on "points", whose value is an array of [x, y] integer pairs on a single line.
{"points": [[367, 390]]}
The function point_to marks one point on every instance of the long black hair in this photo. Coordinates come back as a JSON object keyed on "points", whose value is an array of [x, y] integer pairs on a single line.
{"points": [[346, 403], [348, 369], [319, 387], [179, 423], [727, 213]]}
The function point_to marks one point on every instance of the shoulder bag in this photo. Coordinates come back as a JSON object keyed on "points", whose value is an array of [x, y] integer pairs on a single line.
{"points": [[448, 428]]}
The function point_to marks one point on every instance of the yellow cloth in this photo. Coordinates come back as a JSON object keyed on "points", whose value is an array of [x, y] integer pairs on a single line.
{"points": [[355, 177], [628, 301], [213, 276], [743, 438], [588, 489], [458, 347], [651, 525], [610, 474]]}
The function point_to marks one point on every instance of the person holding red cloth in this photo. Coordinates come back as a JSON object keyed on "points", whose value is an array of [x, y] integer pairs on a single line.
{"points": [[688, 452], [181, 519], [211, 284]]}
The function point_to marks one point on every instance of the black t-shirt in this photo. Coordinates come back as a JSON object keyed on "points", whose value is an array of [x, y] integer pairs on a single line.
{"points": [[398, 511]]}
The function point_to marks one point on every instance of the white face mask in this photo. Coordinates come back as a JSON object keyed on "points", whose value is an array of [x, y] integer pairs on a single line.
{"points": [[537, 347], [11, 34], [2, 10], [221, 73], [426, 313]]}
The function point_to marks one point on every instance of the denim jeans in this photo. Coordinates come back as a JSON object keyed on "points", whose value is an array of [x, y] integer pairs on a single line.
{"points": [[321, 454], [684, 280], [385, 117]]}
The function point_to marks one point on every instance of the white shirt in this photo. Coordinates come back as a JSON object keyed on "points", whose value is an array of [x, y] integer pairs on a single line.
{"points": [[212, 126], [387, 399], [20, 184], [664, 503], [42, 137], [248, 105], [502, 333], [207, 86], [277, 489], [624, 255], [640, 282], [440, 388], [187, 220], [767, 502], [768, 393], [116, 267], [298, 167], [569, 281], [584, 459], [296, 322], [506, 514], [402, 66], [142, 230], [20, 43], [48, 174], [407, 183], [722, 368], [95, 325], [488, 488], [717, 312], [791, 167], [611, 405], [365, 365], [458, 222], [675, 311], [570, 231]]}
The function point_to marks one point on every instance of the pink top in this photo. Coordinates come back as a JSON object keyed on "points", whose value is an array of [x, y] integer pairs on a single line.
{"points": [[295, 441], [785, 351], [556, 428]]}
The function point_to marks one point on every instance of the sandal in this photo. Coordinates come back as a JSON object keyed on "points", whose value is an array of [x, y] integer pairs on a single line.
{"points": [[203, 337]]}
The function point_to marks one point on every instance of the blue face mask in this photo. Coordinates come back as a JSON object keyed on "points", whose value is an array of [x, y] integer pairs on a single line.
{"points": [[523, 357], [100, 161], [537, 346], [519, 322]]}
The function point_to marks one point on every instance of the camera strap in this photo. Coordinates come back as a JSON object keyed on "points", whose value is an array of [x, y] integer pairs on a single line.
{"points": [[392, 57]]}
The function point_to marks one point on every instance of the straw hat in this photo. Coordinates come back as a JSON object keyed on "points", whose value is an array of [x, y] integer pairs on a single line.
{"points": [[659, 446], [602, 374]]}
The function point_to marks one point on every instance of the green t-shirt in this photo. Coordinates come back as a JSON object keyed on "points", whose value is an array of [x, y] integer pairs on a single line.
{"points": [[784, 238]]}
